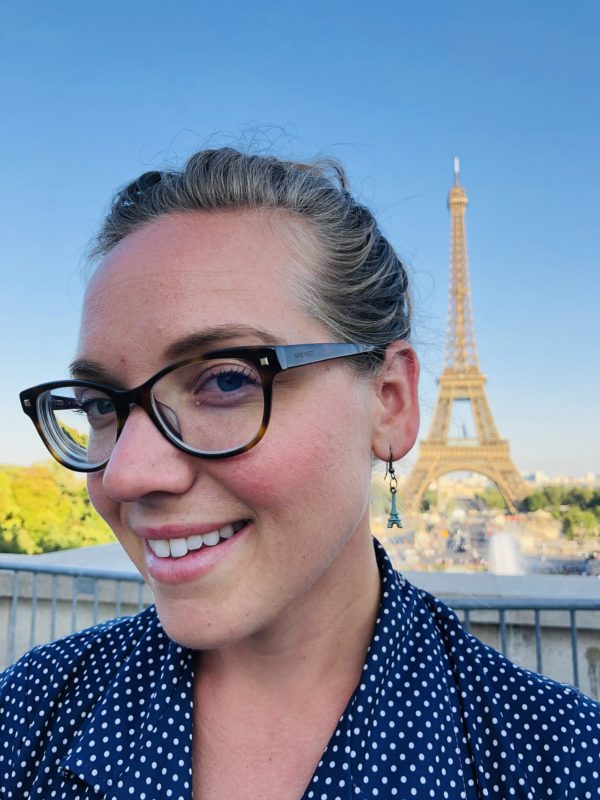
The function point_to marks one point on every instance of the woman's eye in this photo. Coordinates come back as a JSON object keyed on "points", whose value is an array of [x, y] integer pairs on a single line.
{"points": [[104, 407], [227, 381], [230, 381], [96, 408]]}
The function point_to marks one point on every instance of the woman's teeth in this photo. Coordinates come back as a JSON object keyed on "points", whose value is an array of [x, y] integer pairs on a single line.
{"points": [[176, 548]]}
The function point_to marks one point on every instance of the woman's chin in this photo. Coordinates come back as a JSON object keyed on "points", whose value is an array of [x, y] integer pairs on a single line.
{"points": [[197, 628]]}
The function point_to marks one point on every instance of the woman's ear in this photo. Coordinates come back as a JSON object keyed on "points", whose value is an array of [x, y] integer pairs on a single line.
{"points": [[396, 417]]}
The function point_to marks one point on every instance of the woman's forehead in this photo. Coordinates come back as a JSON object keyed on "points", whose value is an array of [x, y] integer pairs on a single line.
{"points": [[211, 245], [185, 273]]}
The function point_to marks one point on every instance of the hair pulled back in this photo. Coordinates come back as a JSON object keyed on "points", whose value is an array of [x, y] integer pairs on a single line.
{"points": [[358, 288]]}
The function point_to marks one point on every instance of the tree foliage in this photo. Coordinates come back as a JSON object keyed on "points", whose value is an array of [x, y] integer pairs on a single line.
{"points": [[577, 507], [491, 497], [44, 507]]}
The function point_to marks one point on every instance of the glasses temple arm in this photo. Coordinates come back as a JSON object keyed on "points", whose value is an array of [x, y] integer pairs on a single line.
{"points": [[299, 355]]}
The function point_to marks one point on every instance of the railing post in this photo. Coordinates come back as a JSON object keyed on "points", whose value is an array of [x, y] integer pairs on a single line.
{"points": [[502, 615], [12, 632], [538, 641], [53, 606], [118, 598], [34, 593], [140, 603], [95, 606], [74, 603], [574, 648]]}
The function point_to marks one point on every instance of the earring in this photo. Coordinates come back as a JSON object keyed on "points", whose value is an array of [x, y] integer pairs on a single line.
{"points": [[394, 518]]}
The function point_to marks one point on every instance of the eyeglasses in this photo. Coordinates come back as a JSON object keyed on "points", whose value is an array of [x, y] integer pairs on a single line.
{"points": [[216, 405]]}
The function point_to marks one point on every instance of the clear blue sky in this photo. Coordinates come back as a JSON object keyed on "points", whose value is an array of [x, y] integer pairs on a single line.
{"points": [[93, 94]]}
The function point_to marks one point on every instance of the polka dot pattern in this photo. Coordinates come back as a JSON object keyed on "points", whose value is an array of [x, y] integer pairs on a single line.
{"points": [[107, 713]]}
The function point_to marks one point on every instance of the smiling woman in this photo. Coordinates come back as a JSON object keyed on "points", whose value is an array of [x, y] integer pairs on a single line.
{"points": [[243, 354]]}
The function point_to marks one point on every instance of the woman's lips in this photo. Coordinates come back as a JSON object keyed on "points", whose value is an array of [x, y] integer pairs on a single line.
{"points": [[176, 558]]}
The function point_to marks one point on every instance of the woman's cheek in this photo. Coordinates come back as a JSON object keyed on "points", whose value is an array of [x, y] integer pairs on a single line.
{"points": [[300, 473], [104, 505]]}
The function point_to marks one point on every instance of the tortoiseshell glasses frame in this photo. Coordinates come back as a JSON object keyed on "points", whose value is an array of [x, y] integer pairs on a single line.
{"points": [[43, 403]]}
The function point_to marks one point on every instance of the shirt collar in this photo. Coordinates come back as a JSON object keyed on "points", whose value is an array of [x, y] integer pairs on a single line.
{"points": [[139, 727]]}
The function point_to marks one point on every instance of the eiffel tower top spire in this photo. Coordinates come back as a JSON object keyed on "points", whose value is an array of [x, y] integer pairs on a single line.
{"points": [[461, 351]]}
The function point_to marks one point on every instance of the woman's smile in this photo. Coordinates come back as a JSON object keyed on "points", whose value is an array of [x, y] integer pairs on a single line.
{"points": [[176, 542], [188, 555]]}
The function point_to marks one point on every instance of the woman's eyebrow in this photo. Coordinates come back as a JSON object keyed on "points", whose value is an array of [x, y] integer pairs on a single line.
{"points": [[83, 369], [210, 338], [207, 339]]}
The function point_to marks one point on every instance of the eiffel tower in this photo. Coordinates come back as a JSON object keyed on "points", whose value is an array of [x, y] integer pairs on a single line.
{"points": [[462, 380]]}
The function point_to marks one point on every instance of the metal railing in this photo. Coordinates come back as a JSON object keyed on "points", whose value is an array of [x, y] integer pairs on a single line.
{"points": [[535, 605], [41, 603]]}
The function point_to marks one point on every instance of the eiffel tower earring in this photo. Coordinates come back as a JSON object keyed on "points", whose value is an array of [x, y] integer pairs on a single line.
{"points": [[394, 518]]}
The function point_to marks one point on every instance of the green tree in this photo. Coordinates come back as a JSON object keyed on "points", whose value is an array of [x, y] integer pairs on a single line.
{"points": [[577, 521], [577, 508], [43, 508], [491, 497]]}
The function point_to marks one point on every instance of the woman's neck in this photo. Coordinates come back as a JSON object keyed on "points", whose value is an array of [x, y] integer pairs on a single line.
{"points": [[321, 639]]}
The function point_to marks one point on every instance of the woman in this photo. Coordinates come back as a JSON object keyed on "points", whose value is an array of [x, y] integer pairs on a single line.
{"points": [[243, 355]]}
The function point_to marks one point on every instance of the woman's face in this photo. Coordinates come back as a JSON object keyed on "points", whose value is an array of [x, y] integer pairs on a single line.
{"points": [[301, 493]]}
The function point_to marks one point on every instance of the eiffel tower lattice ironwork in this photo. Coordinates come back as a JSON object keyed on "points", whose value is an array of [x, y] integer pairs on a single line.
{"points": [[462, 380]]}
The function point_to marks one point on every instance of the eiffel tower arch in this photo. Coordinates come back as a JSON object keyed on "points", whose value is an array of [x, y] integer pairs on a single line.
{"points": [[462, 380]]}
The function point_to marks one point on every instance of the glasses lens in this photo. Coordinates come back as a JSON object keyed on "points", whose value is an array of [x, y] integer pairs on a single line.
{"points": [[80, 423], [212, 406]]}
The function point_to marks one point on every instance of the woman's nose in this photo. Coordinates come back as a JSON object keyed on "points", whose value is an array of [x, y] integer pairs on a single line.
{"points": [[143, 462]]}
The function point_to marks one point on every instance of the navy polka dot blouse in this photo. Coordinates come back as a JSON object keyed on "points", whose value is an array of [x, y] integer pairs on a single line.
{"points": [[107, 713]]}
